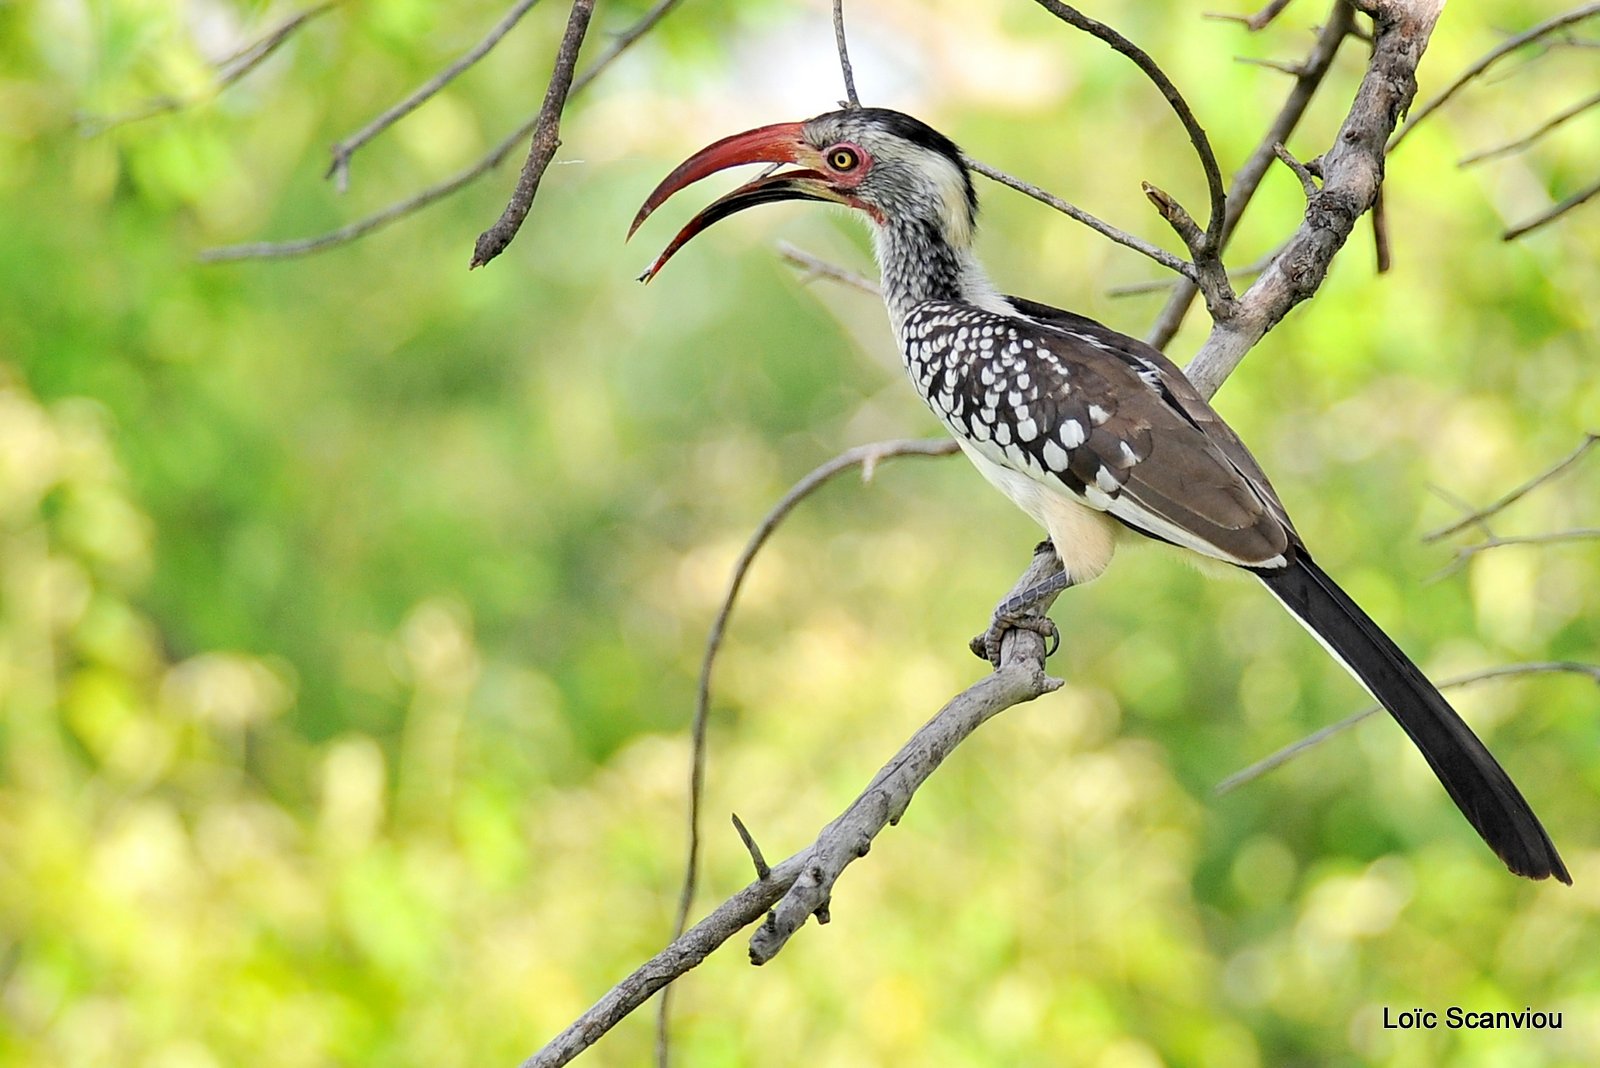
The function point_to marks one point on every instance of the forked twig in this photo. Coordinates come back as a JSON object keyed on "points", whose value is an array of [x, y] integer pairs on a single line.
{"points": [[339, 169], [1289, 752], [230, 69], [1506, 500], [434, 193]]}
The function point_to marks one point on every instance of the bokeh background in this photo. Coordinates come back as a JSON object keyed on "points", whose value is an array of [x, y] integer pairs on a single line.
{"points": [[351, 606]]}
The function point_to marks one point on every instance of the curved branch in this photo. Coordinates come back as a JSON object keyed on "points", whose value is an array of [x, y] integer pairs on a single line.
{"points": [[867, 458], [1197, 134]]}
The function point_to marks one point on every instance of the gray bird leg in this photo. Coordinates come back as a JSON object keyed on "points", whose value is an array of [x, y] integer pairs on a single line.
{"points": [[1017, 613]]}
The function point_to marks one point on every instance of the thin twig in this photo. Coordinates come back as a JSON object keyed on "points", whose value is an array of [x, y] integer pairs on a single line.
{"points": [[1289, 752], [1382, 259], [1156, 285], [860, 456], [850, 98], [486, 163], [1489, 59], [1019, 678], [1465, 553], [546, 139], [1523, 142], [763, 869], [1197, 134], [1248, 178], [1072, 211], [339, 170], [229, 70], [1512, 497], [1555, 212], [817, 267], [1308, 184], [1254, 23]]}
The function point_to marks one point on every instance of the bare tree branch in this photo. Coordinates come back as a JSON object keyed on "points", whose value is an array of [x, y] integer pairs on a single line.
{"points": [[1289, 752], [230, 69], [851, 99], [1072, 211], [1020, 678], [1512, 497], [864, 456], [1489, 59], [1248, 179], [339, 170], [546, 139], [1523, 142], [1352, 171], [1555, 212], [434, 193]]}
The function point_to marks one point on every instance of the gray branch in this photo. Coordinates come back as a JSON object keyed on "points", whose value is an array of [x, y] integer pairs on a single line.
{"points": [[801, 885]]}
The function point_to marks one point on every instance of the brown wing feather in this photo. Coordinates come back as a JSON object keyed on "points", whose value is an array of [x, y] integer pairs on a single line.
{"points": [[1178, 390]]}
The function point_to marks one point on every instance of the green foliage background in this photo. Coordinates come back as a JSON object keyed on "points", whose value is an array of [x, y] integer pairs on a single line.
{"points": [[350, 606]]}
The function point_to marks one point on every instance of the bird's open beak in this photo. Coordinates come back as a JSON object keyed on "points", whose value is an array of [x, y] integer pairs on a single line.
{"points": [[780, 143]]}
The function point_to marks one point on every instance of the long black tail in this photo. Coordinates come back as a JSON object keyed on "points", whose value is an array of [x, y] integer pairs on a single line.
{"points": [[1479, 786]]}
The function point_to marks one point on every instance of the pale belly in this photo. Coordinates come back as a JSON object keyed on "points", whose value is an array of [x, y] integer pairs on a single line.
{"points": [[1084, 538]]}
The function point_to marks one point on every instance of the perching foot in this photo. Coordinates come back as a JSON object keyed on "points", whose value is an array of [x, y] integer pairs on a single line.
{"points": [[1017, 613]]}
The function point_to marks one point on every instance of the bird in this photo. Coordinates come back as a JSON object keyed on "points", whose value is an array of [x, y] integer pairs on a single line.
{"points": [[1096, 435]]}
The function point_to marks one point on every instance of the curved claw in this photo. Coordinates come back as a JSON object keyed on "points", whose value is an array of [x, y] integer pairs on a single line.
{"points": [[986, 646]]}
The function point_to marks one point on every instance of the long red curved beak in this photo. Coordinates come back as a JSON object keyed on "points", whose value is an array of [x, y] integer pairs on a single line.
{"points": [[779, 143]]}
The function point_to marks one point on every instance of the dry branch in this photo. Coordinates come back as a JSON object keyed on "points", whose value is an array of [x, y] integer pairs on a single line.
{"points": [[434, 193], [1506, 500], [1191, 125], [867, 458], [792, 884], [1555, 212], [848, 72], [546, 139], [1554, 122]]}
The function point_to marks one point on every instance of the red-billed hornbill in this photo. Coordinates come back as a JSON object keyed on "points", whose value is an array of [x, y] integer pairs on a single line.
{"points": [[1092, 433]]}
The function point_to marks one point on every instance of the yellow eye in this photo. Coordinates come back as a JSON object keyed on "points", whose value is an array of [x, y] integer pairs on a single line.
{"points": [[844, 159]]}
